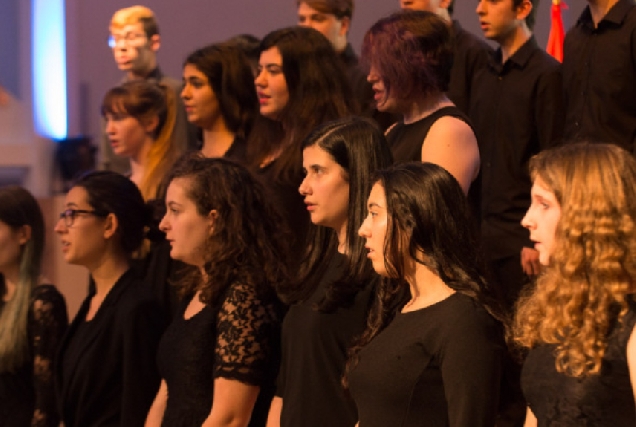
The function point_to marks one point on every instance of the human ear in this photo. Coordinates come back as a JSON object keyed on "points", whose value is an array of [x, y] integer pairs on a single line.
{"points": [[24, 234], [345, 25], [111, 224], [155, 42]]}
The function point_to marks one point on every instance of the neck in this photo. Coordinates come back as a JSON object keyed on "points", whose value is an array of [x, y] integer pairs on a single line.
{"points": [[11, 277], [141, 74], [599, 8], [107, 271], [513, 42], [443, 13], [139, 160], [426, 287], [217, 139], [425, 106], [342, 238], [340, 46]]}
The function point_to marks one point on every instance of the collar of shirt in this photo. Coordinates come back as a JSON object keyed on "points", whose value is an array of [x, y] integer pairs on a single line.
{"points": [[518, 59], [154, 76], [614, 17]]}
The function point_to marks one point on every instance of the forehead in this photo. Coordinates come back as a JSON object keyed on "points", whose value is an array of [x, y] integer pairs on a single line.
{"points": [[539, 188], [77, 196], [305, 9], [377, 195], [315, 154], [178, 190], [271, 56], [191, 70], [136, 28]]}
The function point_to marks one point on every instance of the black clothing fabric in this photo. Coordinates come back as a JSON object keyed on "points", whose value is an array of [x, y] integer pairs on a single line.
{"points": [[185, 133], [27, 396], [114, 379], [315, 346], [603, 400], [406, 140], [517, 111], [599, 75], [437, 366], [470, 54], [238, 340]]}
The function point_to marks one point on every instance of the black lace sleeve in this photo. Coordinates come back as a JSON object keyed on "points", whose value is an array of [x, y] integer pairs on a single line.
{"points": [[48, 320], [248, 328]]}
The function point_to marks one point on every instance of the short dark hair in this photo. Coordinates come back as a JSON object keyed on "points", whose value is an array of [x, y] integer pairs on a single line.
{"points": [[231, 78], [111, 192], [530, 19], [412, 51], [339, 8]]}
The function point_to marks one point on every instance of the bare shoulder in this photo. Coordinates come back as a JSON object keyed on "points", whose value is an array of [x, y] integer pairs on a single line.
{"points": [[451, 131]]}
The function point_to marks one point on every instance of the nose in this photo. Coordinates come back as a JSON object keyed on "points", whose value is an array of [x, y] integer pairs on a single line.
{"points": [[110, 126], [527, 221], [185, 91], [304, 188], [480, 8], [60, 226], [260, 79], [164, 225], [363, 231]]}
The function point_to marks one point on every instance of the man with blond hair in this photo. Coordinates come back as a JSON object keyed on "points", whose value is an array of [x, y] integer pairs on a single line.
{"points": [[135, 40]]}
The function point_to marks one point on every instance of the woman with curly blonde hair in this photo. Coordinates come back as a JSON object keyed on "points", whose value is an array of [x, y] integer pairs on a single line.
{"points": [[577, 322]]}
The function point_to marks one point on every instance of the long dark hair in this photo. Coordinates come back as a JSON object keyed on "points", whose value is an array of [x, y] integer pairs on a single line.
{"points": [[360, 148], [18, 208], [319, 91], [230, 76], [246, 245], [428, 220]]}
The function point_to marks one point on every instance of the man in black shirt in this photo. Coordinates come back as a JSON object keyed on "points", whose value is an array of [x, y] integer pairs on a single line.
{"points": [[599, 74], [517, 111], [470, 53]]}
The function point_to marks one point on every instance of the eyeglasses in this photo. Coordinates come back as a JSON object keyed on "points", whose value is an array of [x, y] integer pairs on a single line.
{"points": [[69, 215], [127, 39]]}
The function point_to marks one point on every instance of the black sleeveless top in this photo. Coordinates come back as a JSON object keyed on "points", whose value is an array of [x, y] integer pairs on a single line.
{"points": [[406, 139], [603, 400]]}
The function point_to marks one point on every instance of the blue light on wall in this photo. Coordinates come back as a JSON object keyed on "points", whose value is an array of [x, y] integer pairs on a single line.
{"points": [[49, 68]]}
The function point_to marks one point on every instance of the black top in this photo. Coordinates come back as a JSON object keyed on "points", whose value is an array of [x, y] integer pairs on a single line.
{"points": [[517, 111], [315, 348], [239, 340], [437, 366], [406, 140], [599, 74], [470, 54], [114, 379], [603, 400], [27, 396]]}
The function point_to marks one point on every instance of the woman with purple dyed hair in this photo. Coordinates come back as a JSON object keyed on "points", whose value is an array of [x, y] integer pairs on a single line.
{"points": [[409, 55]]}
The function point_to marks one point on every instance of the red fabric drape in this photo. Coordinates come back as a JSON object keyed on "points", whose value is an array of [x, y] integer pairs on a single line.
{"points": [[557, 33]]}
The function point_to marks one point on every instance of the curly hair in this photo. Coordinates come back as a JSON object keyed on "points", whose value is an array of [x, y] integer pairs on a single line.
{"points": [[582, 294], [427, 214], [246, 245], [412, 52]]}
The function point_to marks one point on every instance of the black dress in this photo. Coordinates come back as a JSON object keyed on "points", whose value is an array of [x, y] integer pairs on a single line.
{"points": [[437, 366], [315, 348], [238, 340], [106, 373], [27, 396], [406, 140], [604, 400]]}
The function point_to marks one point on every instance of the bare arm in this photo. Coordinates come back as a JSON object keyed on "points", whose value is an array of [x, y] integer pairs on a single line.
{"points": [[631, 360], [155, 414], [275, 409], [531, 420], [232, 403], [451, 144]]}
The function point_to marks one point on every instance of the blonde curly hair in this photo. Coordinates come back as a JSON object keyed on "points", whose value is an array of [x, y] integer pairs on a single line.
{"points": [[582, 294]]}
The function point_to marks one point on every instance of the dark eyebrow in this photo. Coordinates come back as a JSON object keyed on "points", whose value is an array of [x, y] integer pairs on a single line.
{"points": [[71, 205]]}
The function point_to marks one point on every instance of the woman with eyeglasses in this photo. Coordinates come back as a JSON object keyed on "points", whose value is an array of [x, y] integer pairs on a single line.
{"points": [[106, 372], [32, 316]]}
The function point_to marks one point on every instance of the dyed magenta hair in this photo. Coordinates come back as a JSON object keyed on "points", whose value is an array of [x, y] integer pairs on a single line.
{"points": [[412, 53]]}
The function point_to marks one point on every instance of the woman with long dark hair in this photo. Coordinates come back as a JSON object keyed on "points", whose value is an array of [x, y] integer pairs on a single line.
{"points": [[105, 373], [410, 55], [333, 292], [300, 85], [578, 321], [32, 316], [433, 348], [219, 97], [220, 355]]}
